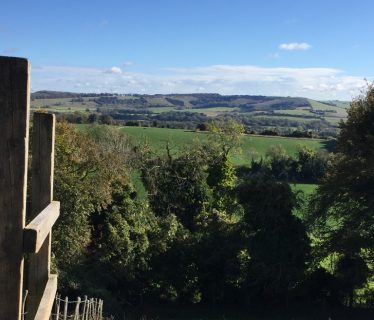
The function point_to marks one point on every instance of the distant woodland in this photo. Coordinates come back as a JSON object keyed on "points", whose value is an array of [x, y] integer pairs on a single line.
{"points": [[259, 114]]}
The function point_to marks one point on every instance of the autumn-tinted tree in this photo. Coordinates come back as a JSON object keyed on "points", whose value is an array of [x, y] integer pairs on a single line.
{"points": [[88, 167]]}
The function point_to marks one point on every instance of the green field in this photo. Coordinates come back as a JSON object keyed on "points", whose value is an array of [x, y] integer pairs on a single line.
{"points": [[64, 105], [296, 112], [307, 111], [67, 109], [162, 109], [38, 103], [212, 111], [291, 118], [306, 188], [251, 145], [339, 111]]}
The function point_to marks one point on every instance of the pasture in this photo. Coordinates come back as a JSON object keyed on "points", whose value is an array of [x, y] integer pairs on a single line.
{"points": [[252, 146]]}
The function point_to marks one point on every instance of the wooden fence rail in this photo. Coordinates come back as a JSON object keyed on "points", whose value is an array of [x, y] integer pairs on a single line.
{"points": [[15, 238]]}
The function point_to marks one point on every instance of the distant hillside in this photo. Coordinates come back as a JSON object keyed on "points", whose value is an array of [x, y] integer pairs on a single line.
{"points": [[45, 94], [258, 113], [188, 101]]}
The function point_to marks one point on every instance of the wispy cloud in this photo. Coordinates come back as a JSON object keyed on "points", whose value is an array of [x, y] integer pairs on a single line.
{"points": [[292, 46], [114, 70], [318, 83]]}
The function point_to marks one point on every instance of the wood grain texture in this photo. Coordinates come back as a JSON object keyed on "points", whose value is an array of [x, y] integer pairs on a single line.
{"points": [[48, 298], [38, 229], [14, 119], [41, 196]]}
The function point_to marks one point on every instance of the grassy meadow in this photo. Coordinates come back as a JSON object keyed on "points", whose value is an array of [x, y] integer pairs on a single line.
{"points": [[252, 146]]}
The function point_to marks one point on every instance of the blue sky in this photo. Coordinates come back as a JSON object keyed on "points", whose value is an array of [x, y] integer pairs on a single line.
{"points": [[318, 49]]}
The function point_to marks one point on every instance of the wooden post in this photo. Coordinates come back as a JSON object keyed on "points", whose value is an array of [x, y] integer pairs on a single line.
{"points": [[58, 308], [76, 313], [14, 119], [84, 308], [66, 308], [41, 197]]}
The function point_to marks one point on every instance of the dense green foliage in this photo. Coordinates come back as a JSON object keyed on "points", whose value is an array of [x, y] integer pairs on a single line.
{"points": [[208, 233], [341, 214], [308, 166], [277, 242]]}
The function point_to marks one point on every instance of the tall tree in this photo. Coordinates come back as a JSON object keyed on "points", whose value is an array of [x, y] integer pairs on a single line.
{"points": [[277, 242], [342, 210]]}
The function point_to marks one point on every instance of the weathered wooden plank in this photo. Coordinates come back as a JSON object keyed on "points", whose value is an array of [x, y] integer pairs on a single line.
{"points": [[14, 119], [41, 196], [48, 298], [42, 162], [66, 308], [38, 229]]}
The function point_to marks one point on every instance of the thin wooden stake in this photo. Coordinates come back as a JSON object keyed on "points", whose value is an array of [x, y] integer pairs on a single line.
{"points": [[88, 309], [76, 313], [58, 301], [66, 308], [84, 308], [24, 304]]}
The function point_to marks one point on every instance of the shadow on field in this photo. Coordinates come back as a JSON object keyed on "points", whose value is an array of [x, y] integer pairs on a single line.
{"points": [[329, 145]]}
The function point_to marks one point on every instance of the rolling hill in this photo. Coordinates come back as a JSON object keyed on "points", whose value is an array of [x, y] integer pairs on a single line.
{"points": [[257, 113]]}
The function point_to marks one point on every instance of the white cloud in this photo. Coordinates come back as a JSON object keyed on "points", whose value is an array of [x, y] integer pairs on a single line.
{"points": [[114, 70], [317, 83], [295, 46]]}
